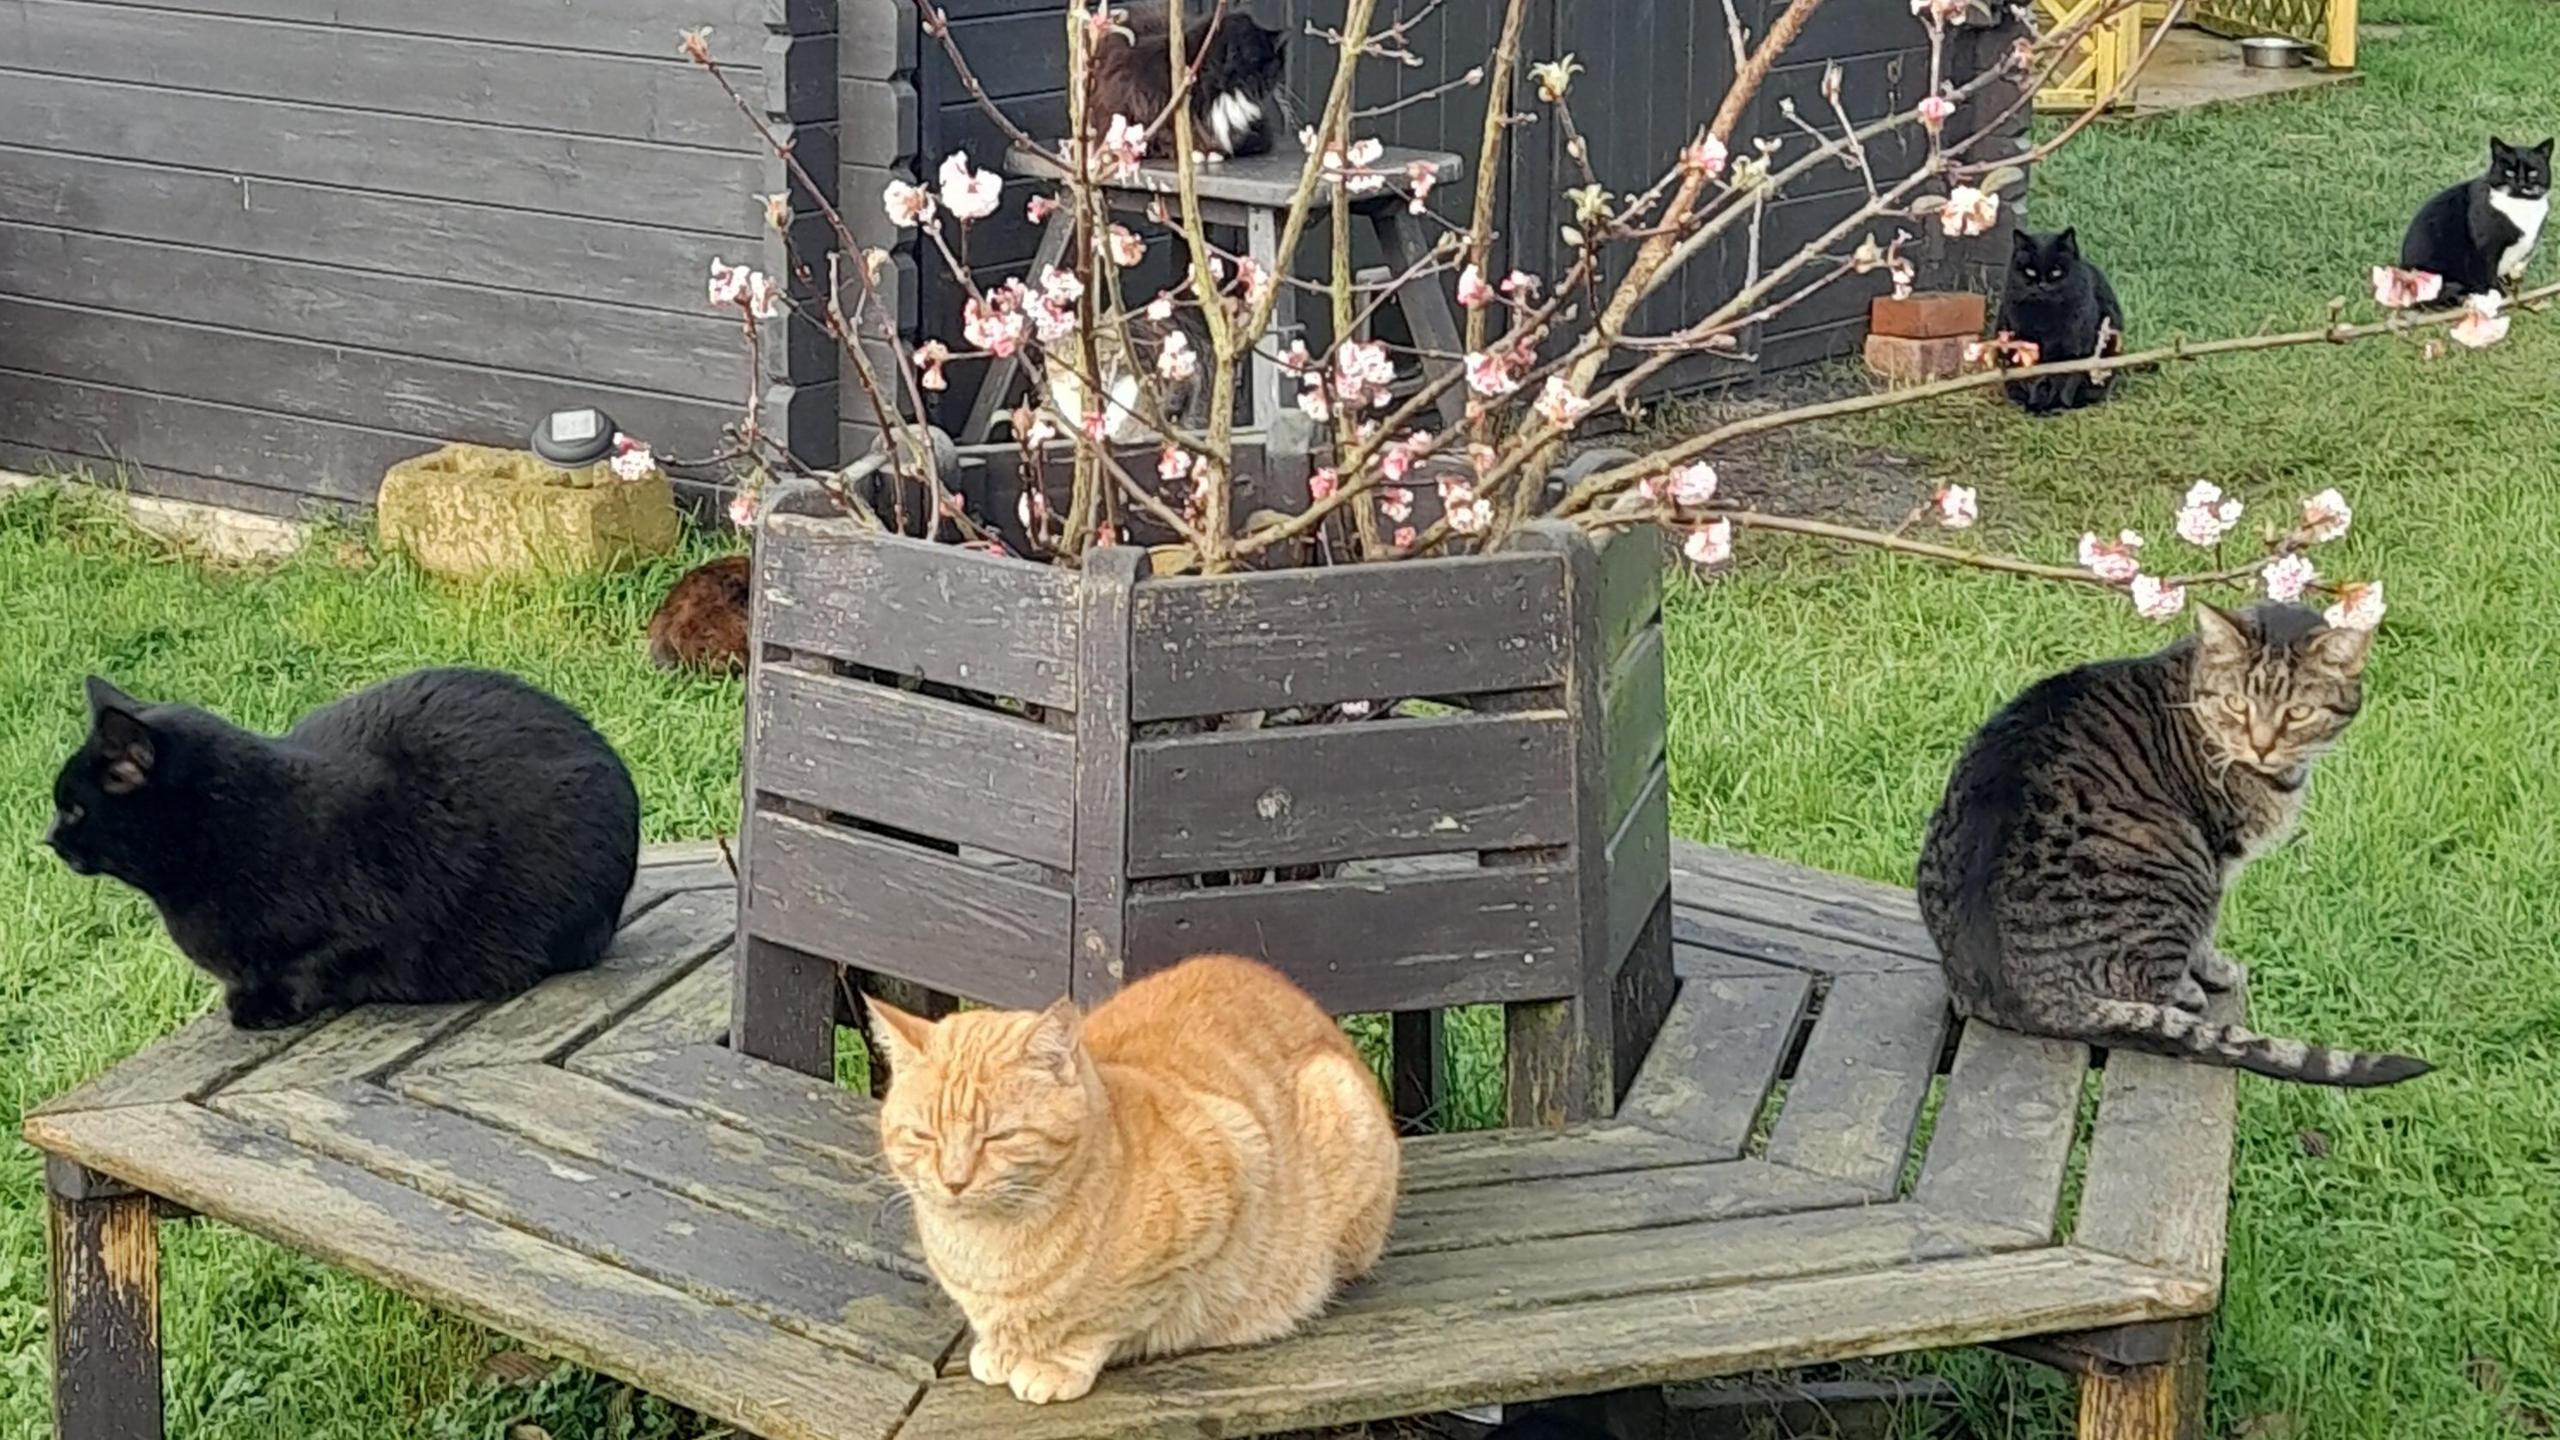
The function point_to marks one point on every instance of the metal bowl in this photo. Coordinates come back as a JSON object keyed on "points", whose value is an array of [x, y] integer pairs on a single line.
{"points": [[2274, 52]]}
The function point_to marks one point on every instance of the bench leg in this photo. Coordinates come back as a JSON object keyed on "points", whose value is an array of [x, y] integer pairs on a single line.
{"points": [[106, 1307], [2162, 1401], [1425, 304]]}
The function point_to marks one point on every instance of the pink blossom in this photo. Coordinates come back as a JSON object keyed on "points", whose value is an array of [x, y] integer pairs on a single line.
{"points": [[1396, 502], [1177, 361], [1491, 374], [1255, 279], [1398, 461], [1520, 285], [2001, 349], [1469, 513], [908, 205], [777, 210], [1160, 309], [2112, 560], [1060, 287], [2205, 516], [1693, 485], [1472, 291], [1939, 12], [2287, 576], [1123, 246], [1312, 400], [2480, 326], [1295, 360], [2325, 517], [1705, 155], [1903, 275], [1364, 375], [1320, 485], [930, 357], [1559, 406], [1957, 506], [1040, 207], [1933, 111], [728, 282], [1124, 148], [2359, 606], [1420, 176], [1709, 544], [2398, 289], [1174, 463], [696, 44], [1969, 211], [1405, 536], [969, 194], [742, 509], [764, 299], [2155, 600], [631, 458], [994, 322]]}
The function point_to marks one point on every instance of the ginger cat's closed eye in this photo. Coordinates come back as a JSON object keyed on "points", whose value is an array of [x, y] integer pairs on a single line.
{"points": [[1200, 1162]]}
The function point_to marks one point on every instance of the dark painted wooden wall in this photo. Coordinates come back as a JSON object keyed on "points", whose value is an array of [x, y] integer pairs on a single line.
{"points": [[254, 251]]}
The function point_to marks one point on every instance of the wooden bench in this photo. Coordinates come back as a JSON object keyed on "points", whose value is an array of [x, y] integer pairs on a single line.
{"points": [[1812, 1165], [1252, 196]]}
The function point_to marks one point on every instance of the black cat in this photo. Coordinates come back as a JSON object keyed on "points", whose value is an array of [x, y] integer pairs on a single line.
{"points": [[445, 835], [1237, 102], [2060, 301], [2478, 234]]}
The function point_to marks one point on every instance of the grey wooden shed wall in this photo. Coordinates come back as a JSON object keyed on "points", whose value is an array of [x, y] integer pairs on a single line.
{"points": [[253, 251]]}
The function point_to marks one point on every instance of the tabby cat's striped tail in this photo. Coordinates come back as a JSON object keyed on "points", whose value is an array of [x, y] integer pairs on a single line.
{"points": [[2161, 1030]]}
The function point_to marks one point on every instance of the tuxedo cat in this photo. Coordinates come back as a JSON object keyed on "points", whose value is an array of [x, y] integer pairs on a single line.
{"points": [[2478, 234], [2057, 299], [1237, 102]]}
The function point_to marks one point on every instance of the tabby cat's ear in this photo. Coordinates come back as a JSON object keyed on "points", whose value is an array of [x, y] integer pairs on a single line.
{"points": [[124, 743], [2224, 636], [899, 1036], [2343, 649], [1051, 1045]]}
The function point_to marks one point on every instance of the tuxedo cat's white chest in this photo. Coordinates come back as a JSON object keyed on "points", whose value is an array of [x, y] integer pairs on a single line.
{"points": [[1231, 118], [2527, 216]]}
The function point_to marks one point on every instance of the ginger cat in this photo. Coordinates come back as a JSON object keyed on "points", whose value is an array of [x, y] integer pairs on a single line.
{"points": [[1200, 1162]]}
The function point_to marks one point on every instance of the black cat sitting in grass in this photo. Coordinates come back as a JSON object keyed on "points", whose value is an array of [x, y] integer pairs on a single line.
{"points": [[446, 835], [2057, 300]]}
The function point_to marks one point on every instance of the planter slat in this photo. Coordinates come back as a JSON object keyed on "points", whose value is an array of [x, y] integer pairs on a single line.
{"points": [[1102, 772], [1344, 792], [1403, 942], [1630, 589], [1638, 720], [1639, 862], [891, 909], [1364, 632], [916, 763], [958, 617]]}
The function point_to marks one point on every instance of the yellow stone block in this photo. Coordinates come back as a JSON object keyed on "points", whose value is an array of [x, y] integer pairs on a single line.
{"points": [[474, 511]]}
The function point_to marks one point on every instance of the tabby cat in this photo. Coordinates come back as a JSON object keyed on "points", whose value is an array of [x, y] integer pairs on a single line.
{"points": [[1238, 98], [1199, 1162], [702, 624], [444, 835], [2073, 874]]}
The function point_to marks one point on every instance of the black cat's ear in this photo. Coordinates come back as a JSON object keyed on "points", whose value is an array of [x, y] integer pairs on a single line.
{"points": [[2499, 149], [2224, 636], [123, 742], [2343, 648], [2068, 242], [2021, 243], [2544, 149]]}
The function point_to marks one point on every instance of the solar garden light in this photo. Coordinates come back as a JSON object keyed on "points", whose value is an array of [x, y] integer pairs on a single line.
{"points": [[574, 439]]}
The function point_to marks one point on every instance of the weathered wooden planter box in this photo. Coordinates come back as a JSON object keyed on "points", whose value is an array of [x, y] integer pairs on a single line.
{"points": [[991, 779]]}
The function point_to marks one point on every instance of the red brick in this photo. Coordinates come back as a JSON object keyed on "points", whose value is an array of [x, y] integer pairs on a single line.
{"points": [[1929, 315], [1910, 362]]}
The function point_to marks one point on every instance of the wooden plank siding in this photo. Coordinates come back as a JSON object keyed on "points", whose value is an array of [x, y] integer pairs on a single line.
{"points": [[254, 251]]}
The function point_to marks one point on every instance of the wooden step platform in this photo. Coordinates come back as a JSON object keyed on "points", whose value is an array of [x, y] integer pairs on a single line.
{"points": [[587, 1169]]}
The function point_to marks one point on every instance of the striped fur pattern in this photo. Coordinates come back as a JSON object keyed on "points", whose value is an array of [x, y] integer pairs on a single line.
{"points": [[2074, 871]]}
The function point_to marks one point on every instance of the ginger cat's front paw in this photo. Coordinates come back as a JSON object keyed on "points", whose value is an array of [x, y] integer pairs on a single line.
{"points": [[986, 1365], [1042, 1381]]}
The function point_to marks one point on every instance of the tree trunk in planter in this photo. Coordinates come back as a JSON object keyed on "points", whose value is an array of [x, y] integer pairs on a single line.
{"points": [[987, 778]]}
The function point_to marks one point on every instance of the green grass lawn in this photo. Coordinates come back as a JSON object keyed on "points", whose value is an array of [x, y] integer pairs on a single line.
{"points": [[2404, 1284]]}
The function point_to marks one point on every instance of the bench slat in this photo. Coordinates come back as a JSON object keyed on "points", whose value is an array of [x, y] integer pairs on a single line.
{"points": [[1495, 1215], [822, 1197], [2159, 1179], [892, 1320], [1353, 1368], [1903, 938], [1708, 867], [772, 1101], [656, 882], [199, 1057], [1863, 1077], [710, 1358], [358, 1044], [1718, 1054], [692, 1011], [1571, 1269], [2004, 1131], [654, 952], [1495, 1157], [1783, 946]]}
